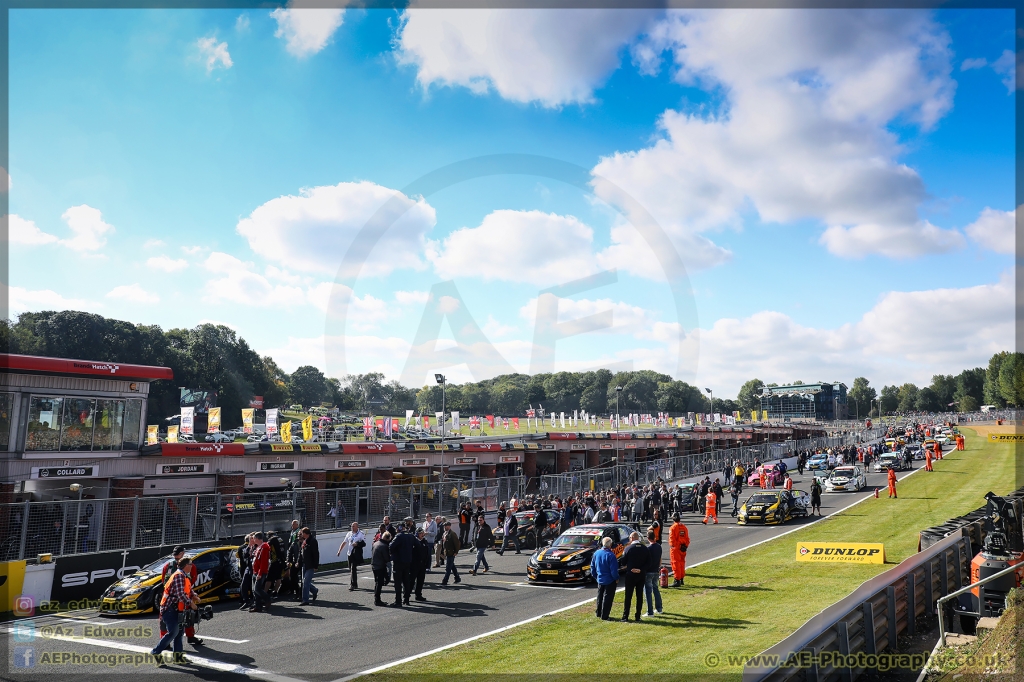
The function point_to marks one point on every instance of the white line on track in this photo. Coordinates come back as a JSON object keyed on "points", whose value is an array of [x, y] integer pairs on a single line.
{"points": [[229, 641], [424, 654], [86, 620], [549, 587]]}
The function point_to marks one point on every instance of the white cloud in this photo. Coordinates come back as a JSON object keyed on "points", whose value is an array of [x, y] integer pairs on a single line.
{"points": [[214, 54], [154, 244], [364, 353], [86, 223], [519, 246], [1006, 67], [166, 263], [283, 275], [364, 312], [192, 250], [973, 63], [20, 300], [550, 56], [314, 230], [494, 329], [133, 293], [23, 231], [626, 318], [900, 241], [235, 282], [307, 31], [994, 230], [242, 23], [412, 297], [802, 131]]}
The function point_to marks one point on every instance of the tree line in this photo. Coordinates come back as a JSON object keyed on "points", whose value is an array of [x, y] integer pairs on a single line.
{"points": [[214, 357]]}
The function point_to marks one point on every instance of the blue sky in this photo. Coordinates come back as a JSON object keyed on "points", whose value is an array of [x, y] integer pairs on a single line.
{"points": [[837, 185]]}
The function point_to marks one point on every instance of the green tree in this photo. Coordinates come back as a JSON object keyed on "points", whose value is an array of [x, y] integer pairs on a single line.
{"points": [[907, 397], [861, 394], [1011, 379], [639, 390], [749, 397], [944, 387], [890, 399], [307, 386], [508, 399], [928, 401], [970, 389], [992, 393]]}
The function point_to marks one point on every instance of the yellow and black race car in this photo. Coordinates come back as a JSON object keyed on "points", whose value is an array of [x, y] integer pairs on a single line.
{"points": [[567, 560], [773, 507], [217, 578]]}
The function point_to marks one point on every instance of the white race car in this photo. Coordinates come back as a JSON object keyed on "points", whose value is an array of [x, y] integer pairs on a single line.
{"points": [[846, 478]]}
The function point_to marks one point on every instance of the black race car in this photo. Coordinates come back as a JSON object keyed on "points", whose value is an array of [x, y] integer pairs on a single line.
{"points": [[686, 493], [527, 532], [217, 578], [567, 560]]}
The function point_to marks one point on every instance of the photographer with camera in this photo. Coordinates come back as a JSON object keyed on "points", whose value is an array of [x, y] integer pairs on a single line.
{"points": [[176, 555], [178, 597]]}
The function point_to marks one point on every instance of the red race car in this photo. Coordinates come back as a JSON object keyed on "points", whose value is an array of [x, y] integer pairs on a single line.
{"points": [[772, 473]]}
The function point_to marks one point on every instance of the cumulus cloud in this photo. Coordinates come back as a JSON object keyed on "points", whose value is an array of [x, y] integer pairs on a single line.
{"points": [[235, 281], [166, 263], [549, 56], [973, 63], [412, 297], [21, 300], [366, 353], [154, 244], [625, 317], [306, 31], [133, 293], [995, 230], [25, 232], [89, 230], [213, 54], [315, 229], [802, 131], [1006, 68], [900, 241]]}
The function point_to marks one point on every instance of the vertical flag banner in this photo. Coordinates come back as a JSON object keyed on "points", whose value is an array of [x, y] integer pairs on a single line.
{"points": [[764, 415], [271, 421], [563, 419], [247, 419], [394, 424], [151, 434], [408, 417], [188, 416], [426, 422], [379, 423], [385, 425], [367, 427], [307, 428], [515, 423], [439, 418], [490, 420], [286, 432], [455, 420], [699, 420], [753, 415], [172, 434], [213, 420]]}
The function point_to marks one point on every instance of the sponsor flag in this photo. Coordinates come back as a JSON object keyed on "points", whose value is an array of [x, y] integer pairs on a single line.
{"points": [[563, 419], [307, 429], [385, 426], [474, 423], [718, 417], [256, 402], [247, 418], [188, 416], [764, 415], [753, 415], [490, 420], [379, 423], [530, 414], [172, 434], [455, 420], [213, 420], [271, 422], [151, 434], [367, 427], [699, 420], [515, 423], [426, 422], [408, 417], [394, 425], [286, 432]]}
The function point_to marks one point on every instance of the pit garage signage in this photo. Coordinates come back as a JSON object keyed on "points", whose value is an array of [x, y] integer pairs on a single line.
{"points": [[276, 466], [510, 459], [845, 552], [282, 447], [351, 464], [416, 462], [462, 460], [64, 472], [1006, 437], [182, 468]]}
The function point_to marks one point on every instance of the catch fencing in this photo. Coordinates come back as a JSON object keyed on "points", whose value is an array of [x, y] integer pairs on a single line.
{"points": [[70, 527], [688, 466], [869, 621]]}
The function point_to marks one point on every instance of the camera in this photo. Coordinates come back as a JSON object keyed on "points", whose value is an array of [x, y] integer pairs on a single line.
{"points": [[193, 616]]}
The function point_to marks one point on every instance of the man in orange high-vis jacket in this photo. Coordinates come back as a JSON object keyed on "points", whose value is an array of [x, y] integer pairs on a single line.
{"points": [[177, 597], [788, 485], [928, 460], [761, 479], [678, 543], [169, 568], [938, 450], [711, 507], [892, 483]]}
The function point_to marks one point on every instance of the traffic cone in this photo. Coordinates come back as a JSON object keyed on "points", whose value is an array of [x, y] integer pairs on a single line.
{"points": [[876, 493]]}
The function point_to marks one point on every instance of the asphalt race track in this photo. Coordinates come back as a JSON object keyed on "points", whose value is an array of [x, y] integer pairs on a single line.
{"points": [[342, 634]]}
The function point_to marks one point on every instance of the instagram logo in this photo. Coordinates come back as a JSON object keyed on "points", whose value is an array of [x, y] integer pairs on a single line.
{"points": [[24, 605]]}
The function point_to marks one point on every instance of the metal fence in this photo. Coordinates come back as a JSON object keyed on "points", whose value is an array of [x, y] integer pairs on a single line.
{"points": [[687, 466], [869, 621], [71, 527]]}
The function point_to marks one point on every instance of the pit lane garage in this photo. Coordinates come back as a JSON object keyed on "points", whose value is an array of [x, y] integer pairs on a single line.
{"points": [[568, 558], [218, 578], [774, 507]]}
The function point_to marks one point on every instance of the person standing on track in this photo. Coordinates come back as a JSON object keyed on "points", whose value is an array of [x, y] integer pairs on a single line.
{"points": [[928, 460], [761, 479], [635, 561], [310, 552], [260, 571], [656, 526], [379, 563], [892, 484], [401, 561], [484, 539], [422, 556], [465, 514], [169, 568], [355, 540], [652, 576], [451, 545], [511, 531], [737, 492], [606, 572], [712, 508], [788, 483], [678, 543], [815, 497]]}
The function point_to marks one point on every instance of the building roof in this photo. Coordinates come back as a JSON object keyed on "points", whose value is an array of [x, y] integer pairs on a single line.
{"points": [[33, 364], [797, 389]]}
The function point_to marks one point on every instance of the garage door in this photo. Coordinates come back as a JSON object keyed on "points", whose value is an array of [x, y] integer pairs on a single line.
{"points": [[177, 485]]}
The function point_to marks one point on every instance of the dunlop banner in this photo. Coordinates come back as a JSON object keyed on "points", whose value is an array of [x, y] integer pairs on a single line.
{"points": [[849, 552], [1006, 437]]}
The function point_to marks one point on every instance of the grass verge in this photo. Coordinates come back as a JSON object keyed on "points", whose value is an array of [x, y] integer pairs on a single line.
{"points": [[742, 604]]}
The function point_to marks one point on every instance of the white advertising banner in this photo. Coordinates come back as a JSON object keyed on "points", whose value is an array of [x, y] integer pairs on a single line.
{"points": [[188, 418], [455, 420], [271, 421]]}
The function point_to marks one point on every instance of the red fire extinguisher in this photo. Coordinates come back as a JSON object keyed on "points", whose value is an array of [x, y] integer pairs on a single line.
{"points": [[876, 493], [664, 576]]}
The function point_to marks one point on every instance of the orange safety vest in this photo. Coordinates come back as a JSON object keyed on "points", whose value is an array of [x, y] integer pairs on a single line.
{"points": [[188, 593]]}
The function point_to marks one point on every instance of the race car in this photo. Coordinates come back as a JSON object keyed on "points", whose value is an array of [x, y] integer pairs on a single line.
{"points": [[914, 450], [527, 533], [567, 560], [889, 461], [774, 507], [846, 478], [817, 461], [218, 577], [689, 492], [929, 444], [772, 472]]}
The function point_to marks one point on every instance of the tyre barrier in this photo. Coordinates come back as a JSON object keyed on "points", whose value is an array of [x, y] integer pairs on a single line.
{"points": [[970, 525]]}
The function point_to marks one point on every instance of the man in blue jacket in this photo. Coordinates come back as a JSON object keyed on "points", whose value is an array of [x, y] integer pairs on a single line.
{"points": [[605, 566]]}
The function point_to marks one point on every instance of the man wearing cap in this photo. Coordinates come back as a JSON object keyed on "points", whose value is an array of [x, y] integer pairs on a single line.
{"points": [[169, 568], [450, 544], [402, 550]]}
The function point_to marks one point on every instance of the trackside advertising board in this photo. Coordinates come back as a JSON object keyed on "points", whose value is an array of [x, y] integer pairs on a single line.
{"points": [[845, 552]]}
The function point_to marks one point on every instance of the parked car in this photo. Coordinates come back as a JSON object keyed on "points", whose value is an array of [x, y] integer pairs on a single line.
{"points": [[219, 438]]}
